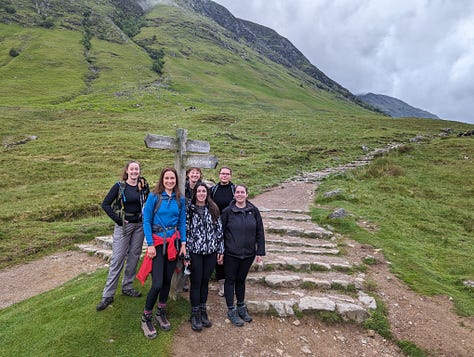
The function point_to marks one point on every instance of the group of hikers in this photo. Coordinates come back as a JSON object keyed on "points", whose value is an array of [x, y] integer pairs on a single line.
{"points": [[210, 227]]}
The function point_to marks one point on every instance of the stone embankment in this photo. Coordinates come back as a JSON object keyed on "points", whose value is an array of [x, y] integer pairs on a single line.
{"points": [[306, 268]]}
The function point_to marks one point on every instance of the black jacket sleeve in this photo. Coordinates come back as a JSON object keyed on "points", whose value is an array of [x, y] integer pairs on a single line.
{"points": [[260, 234], [107, 204]]}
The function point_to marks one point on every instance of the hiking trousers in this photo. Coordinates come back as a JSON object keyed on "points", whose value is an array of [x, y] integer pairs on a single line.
{"points": [[161, 275], [236, 271], [126, 250], [202, 266]]}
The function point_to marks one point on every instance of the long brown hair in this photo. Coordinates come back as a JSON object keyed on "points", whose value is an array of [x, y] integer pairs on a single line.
{"points": [[213, 208], [160, 187]]}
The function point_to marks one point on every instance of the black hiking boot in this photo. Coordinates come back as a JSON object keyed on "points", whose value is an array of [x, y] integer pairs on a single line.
{"points": [[234, 317], [204, 318], [131, 292], [106, 301], [196, 323], [244, 313]]}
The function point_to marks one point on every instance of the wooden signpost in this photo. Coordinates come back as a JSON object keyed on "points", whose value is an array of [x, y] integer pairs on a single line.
{"points": [[181, 145]]}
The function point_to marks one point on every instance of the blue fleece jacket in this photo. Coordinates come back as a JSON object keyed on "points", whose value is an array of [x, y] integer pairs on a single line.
{"points": [[168, 215]]}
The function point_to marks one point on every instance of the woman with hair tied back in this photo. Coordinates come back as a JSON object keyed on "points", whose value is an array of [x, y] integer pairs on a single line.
{"points": [[128, 196], [164, 225], [205, 246], [244, 242]]}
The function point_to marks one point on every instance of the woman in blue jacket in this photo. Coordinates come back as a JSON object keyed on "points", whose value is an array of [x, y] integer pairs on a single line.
{"points": [[244, 242], [164, 226]]}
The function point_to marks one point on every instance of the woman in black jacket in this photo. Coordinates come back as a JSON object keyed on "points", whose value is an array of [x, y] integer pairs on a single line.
{"points": [[128, 196], [244, 242]]}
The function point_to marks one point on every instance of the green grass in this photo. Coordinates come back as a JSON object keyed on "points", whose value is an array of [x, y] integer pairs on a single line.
{"points": [[64, 322], [421, 199], [92, 109]]}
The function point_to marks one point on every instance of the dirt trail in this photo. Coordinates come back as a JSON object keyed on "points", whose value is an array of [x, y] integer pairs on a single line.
{"points": [[428, 322]]}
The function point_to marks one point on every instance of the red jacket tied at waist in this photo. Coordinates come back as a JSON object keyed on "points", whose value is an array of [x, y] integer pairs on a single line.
{"points": [[147, 264]]}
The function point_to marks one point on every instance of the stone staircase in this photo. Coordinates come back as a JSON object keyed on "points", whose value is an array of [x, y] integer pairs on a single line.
{"points": [[304, 271]]}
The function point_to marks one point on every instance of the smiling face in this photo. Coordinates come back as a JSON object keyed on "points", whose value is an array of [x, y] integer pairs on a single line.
{"points": [[133, 171], [240, 195], [201, 195], [169, 181], [194, 175]]}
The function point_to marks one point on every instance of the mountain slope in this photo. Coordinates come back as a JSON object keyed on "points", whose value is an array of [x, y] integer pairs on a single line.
{"points": [[270, 44], [106, 31], [395, 107]]}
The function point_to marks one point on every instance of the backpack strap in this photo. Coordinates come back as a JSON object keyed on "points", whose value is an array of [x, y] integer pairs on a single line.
{"points": [[157, 205]]}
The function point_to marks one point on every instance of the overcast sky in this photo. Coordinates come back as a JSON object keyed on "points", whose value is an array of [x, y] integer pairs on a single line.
{"points": [[419, 51]]}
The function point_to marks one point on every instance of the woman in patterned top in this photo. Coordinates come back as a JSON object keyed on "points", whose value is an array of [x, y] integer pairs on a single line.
{"points": [[205, 246]]}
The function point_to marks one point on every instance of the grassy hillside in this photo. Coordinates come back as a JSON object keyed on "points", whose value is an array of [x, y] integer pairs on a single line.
{"points": [[418, 202], [92, 107]]}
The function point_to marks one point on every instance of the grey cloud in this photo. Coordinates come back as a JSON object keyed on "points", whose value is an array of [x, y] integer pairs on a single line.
{"points": [[420, 51]]}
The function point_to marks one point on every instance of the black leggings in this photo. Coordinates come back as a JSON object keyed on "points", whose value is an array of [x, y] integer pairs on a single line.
{"points": [[236, 271], [202, 266], [161, 274]]}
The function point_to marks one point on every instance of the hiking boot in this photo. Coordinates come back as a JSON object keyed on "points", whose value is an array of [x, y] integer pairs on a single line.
{"points": [[106, 301], [161, 319], [196, 323], [244, 313], [204, 318], [220, 292], [131, 293], [234, 317], [147, 326]]}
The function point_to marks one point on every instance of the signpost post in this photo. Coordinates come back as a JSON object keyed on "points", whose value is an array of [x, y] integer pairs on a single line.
{"points": [[182, 160]]}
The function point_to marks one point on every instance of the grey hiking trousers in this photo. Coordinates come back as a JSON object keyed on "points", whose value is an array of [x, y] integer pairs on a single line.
{"points": [[126, 246]]}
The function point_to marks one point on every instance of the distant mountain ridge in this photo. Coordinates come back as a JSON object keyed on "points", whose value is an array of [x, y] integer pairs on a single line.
{"points": [[270, 44], [394, 107]]}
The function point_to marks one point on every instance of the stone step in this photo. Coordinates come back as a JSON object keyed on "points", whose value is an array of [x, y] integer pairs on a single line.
{"points": [[298, 251], [308, 281], [101, 246], [288, 302], [104, 241], [290, 241], [302, 262], [302, 229], [286, 215], [93, 249]]}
